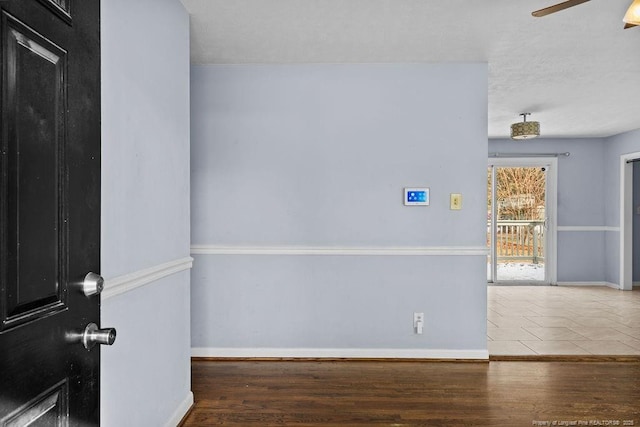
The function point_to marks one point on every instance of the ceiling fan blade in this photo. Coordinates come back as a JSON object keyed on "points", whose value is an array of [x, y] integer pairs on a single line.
{"points": [[557, 8], [629, 26]]}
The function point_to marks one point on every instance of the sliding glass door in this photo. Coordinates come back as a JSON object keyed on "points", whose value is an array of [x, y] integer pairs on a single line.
{"points": [[518, 221]]}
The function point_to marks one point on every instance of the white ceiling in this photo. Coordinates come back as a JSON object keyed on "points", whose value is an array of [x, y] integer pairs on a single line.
{"points": [[576, 71]]}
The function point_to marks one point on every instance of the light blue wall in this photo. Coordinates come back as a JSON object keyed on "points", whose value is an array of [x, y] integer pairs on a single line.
{"points": [[628, 142], [338, 302], [636, 222], [145, 375], [318, 155], [580, 202]]}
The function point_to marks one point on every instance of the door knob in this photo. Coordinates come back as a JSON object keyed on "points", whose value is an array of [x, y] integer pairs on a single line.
{"points": [[92, 336], [93, 284]]}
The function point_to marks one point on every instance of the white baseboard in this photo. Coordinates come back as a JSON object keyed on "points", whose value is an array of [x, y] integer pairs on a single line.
{"points": [[181, 411], [607, 284], [583, 284], [612, 285], [339, 353]]}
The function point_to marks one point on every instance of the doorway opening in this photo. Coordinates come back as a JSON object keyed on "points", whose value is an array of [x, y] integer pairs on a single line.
{"points": [[520, 217], [635, 249], [629, 222]]}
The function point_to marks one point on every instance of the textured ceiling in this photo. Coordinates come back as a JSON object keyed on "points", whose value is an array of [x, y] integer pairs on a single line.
{"points": [[577, 71]]}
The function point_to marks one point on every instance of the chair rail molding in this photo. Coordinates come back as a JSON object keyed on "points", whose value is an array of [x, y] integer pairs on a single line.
{"points": [[587, 228], [341, 251], [128, 282]]}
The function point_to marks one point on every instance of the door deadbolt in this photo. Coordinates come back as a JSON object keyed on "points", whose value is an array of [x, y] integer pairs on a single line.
{"points": [[93, 335], [93, 284]]}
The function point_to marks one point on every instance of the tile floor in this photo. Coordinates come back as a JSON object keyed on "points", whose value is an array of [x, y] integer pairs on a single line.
{"points": [[563, 320]]}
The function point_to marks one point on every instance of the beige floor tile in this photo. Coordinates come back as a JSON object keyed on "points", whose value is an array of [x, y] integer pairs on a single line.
{"points": [[529, 303], [632, 332], [630, 322], [569, 304], [596, 322], [514, 311], [554, 312], [512, 322], [578, 311], [509, 334], [555, 347], [623, 320], [492, 314], [622, 304], [509, 348], [565, 320], [555, 334], [600, 334], [552, 321], [611, 348], [631, 343]]}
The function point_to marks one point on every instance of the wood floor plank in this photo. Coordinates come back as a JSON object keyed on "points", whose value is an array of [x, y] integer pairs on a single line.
{"points": [[355, 393]]}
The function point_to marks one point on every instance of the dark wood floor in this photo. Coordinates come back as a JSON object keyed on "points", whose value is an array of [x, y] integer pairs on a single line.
{"points": [[350, 393]]}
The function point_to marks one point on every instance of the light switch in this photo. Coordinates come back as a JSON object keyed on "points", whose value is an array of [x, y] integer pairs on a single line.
{"points": [[456, 201]]}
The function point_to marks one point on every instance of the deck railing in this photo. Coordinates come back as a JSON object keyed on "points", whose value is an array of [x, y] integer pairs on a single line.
{"points": [[520, 240]]}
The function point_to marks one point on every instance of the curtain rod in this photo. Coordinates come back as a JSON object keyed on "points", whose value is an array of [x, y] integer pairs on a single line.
{"points": [[566, 154], [633, 160]]}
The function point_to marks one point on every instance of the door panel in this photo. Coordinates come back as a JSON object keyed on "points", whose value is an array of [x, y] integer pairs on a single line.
{"points": [[47, 409], [49, 211], [34, 124], [62, 8]]}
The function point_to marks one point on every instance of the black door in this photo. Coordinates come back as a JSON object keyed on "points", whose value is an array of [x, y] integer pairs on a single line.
{"points": [[49, 211]]}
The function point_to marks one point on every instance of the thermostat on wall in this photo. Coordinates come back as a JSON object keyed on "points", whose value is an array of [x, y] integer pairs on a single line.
{"points": [[416, 197]]}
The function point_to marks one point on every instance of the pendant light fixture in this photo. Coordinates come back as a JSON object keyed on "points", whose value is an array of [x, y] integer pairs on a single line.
{"points": [[632, 17], [525, 129]]}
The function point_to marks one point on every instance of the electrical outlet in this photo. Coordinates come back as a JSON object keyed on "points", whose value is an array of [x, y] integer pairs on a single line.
{"points": [[418, 322], [455, 201]]}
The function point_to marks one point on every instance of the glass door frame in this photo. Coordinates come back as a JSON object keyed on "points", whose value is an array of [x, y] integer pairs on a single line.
{"points": [[551, 205]]}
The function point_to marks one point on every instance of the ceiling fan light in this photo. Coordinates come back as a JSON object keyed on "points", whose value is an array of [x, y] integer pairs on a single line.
{"points": [[525, 129], [633, 14]]}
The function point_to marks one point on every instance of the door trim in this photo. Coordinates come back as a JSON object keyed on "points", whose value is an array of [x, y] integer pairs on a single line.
{"points": [[626, 220], [551, 267]]}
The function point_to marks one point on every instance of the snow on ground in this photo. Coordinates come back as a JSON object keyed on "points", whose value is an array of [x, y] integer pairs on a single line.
{"points": [[510, 271]]}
